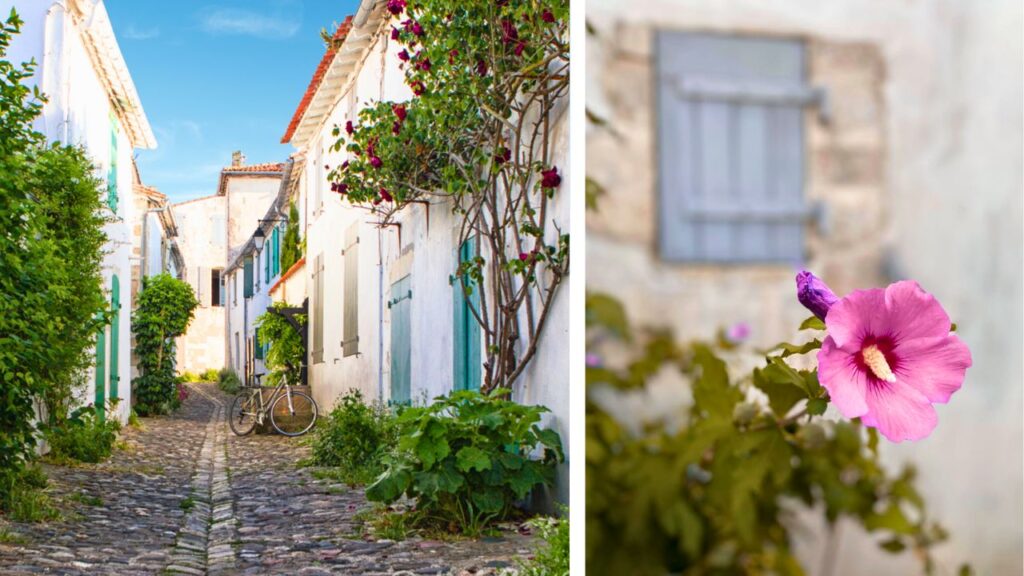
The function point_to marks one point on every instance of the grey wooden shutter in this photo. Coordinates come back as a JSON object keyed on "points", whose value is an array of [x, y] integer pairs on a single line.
{"points": [[318, 309], [731, 148], [350, 319]]}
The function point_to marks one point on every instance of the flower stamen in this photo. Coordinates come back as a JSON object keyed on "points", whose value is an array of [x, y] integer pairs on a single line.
{"points": [[875, 360]]}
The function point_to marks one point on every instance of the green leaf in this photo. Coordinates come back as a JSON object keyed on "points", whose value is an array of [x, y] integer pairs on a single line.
{"points": [[873, 441], [489, 501], [607, 312], [892, 519], [893, 545], [812, 323], [789, 349], [817, 406], [472, 458], [712, 392], [390, 485], [782, 393]]}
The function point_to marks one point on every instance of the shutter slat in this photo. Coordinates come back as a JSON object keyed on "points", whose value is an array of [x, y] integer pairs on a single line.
{"points": [[350, 307]]}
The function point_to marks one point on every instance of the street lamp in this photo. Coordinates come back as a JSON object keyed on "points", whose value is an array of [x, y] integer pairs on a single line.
{"points": [[259, 237]]}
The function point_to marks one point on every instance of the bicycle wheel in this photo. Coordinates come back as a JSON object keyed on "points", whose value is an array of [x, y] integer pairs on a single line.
{"points": [[244, 412], [293, 418]]}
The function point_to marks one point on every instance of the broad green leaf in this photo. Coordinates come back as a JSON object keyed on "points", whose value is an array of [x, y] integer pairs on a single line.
{"points": [[488, 501], [389, 485], [712, 391], [789, 349], [892, 519], [782, 393], [816, 406], [472, 458]]}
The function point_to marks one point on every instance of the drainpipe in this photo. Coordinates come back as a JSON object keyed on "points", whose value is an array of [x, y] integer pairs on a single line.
{"points": [[65, 74], [380, 314], [145, 239]]}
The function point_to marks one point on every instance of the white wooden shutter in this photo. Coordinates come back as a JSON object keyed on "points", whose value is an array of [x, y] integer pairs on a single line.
{"points": [[731, 148], [350, 319], [204, 286]]}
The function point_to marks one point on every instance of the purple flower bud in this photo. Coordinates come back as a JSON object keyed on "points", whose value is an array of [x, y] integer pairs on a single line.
{"points": [[814, 294], [738, 332], [550, 178], [375, 162], [349, 129], [417, 29], [396, 7], [547, 16], [394, 33], [403, 55]]}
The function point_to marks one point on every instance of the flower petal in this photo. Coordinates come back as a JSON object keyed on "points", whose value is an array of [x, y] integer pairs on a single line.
{"points": [[913, 313], [933, 366], [855, 316], [900, 412], [846, 383]]}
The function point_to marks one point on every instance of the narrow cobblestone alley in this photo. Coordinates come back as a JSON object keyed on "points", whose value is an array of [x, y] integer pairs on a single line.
{"points": [[184, 495]]}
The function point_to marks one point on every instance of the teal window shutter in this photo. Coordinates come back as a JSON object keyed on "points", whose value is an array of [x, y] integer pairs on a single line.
{"points": [[112, 172], [257, 347], [465, 328], [247, 287], [276, 253], [266, 265]]}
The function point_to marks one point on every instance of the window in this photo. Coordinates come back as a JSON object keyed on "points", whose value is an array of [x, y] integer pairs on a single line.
{"points": [[318, 309], [731, 148], [266, 262], [350, 308], [219, 231], [216, 293], [234, 288]]}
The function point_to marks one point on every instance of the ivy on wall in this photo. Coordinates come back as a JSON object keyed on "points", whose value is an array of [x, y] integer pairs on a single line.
{"points": [[164, 309]]}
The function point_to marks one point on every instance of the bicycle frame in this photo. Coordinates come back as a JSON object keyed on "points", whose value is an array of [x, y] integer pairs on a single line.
{"points": [[264, 410]]}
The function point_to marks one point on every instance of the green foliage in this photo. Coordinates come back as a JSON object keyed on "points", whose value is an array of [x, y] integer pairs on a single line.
{"points": [[711, 496], [22, 495], [189, 377], [291, 248], [49, 299], [165, 306], [83, 437], [553, 558], [466, 458], [286, 354], [490, 81], [355, 437], [228, 381], [210, 375]]}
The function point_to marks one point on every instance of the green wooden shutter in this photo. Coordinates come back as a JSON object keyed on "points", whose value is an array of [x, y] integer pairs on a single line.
{"points": [[465, 328], [257, 347], [266, 265], [248, 273], [115, 306], [112, 171], [276, 254], [101, 371]]}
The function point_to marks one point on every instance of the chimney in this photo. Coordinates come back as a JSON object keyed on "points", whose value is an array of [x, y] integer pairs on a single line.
{"points": [[237, 159]]}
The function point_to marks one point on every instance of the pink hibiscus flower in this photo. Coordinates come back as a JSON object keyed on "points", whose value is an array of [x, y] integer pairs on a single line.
{"points": [[889, 355]]}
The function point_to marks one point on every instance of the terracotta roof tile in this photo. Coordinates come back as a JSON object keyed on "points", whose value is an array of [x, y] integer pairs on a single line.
{"points": [[266, 167], [318, 77]]}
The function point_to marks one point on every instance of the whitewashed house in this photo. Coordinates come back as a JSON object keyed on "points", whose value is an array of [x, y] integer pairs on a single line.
{"points": [[383, 315], [214, 230], [249, 278], [92, 102]]}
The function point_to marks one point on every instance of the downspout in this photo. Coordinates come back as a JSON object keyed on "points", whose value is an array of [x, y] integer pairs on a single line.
{"points": [[380, 316], [65, 65]]}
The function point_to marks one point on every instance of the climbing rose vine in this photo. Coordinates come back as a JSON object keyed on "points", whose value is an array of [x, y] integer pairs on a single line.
{"points": [[164, 309], [489, 82]]}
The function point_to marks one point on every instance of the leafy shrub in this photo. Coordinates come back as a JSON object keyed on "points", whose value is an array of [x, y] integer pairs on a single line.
{"points": [[356, 437], [189, 377], [286, 354], [22, 495], [713, 492], [164, 310], [466, 460], [228, 381], [83, 437], [553, 558], [210, 375]]}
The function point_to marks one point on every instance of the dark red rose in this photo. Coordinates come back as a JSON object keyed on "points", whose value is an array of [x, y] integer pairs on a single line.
{"points": [[502, 155], [452, 56], [349, 128], [344, 165], [519, 49], [403, 55], [385, 194], [424, 64], [417, 29], [550, 178], [509, 33], [376, 163], [399, 111], [396, 7], [396, 127], [547, 16], [524, 256], [394, 33], [481, 67], [418, 88]]}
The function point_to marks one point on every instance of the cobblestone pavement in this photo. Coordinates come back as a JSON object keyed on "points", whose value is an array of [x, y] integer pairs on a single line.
{"points": [[189, 497]]}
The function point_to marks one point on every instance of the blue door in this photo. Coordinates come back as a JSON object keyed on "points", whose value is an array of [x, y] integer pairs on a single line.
{"points": [[465, 328], [399, 303]]}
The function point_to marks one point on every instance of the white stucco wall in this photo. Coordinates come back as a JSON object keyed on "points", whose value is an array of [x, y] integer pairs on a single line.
{"points": [[79, 112], [203, 242], [952, 98]]}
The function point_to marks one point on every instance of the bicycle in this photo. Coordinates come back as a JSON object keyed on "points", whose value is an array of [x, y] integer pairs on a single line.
{"points": [[291, 413]]}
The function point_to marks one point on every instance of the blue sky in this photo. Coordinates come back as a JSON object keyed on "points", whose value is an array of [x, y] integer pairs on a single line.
{"points": [[219, 76]]}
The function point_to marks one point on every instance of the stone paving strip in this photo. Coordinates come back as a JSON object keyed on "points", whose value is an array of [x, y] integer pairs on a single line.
{"points": [[189, 497], [204, 544]]}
